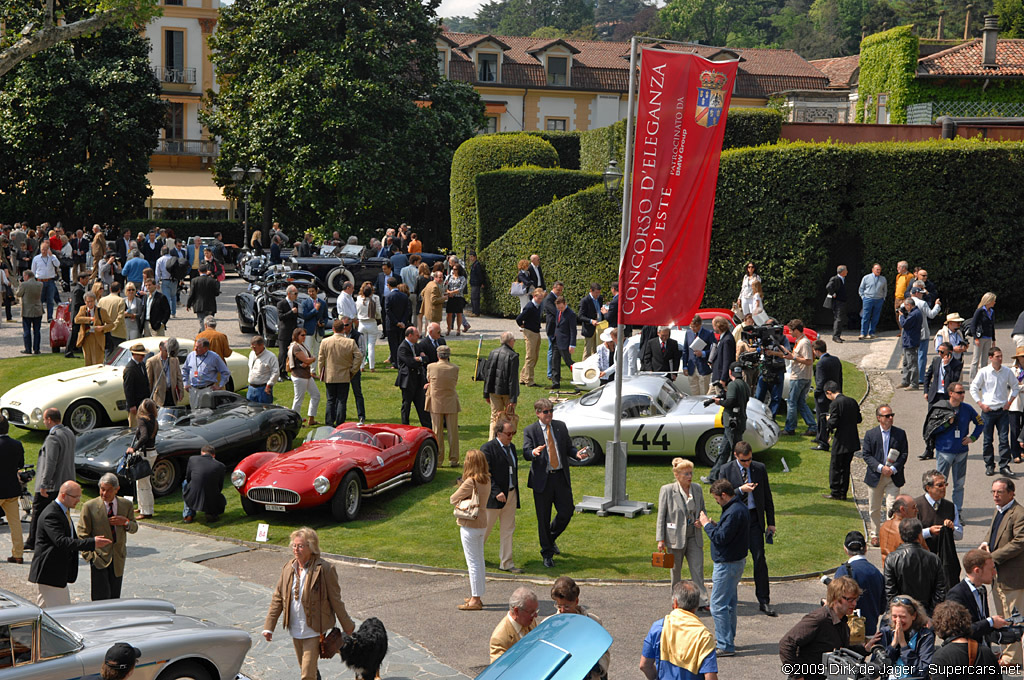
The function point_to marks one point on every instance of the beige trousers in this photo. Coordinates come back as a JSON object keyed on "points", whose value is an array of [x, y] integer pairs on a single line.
{"points": [[437, 420], [12, 512], [699, 384], [48, 596], [499, 402], [507, 517], [1006, 599], [589, 346], [884, 490], [307, 650], [532, 351]]}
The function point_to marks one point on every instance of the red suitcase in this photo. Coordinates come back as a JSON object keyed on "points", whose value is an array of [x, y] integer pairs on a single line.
{"points": [[60, 327]]}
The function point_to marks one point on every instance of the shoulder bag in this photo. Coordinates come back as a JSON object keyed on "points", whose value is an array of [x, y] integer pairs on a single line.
{"points": [[468, 508], [518, 288], [331, 641]]}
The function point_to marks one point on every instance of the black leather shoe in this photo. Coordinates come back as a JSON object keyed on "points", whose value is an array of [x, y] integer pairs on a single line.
{"points": [[819, 447], [768, 611], [555, 546], [1007, 472], [840, 340], [549, 563], [990, 471], [925, 456]]}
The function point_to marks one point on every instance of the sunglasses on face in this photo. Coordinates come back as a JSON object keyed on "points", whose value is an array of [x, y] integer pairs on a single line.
{"points": [[545, 411]]}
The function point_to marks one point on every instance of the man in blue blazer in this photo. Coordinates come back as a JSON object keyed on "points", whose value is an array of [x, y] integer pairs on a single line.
{"points": [[750, 479], [564, 322], [549, 476], [884, 473], [695, 362], [590, 316], [872, 584]]}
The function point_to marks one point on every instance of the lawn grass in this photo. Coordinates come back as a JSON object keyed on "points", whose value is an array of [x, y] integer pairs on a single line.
{"points": [[414, 524]]}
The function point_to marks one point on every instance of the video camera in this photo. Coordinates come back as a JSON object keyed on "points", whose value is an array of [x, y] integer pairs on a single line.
{"points": [[26, 475], [762, 338], [1010, 633], [719, 394]]}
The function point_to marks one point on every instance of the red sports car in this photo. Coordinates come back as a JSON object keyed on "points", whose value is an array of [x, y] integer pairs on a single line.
{"points": [[339, 466]]}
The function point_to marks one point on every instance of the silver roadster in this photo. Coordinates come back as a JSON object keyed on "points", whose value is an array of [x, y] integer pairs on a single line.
{"points": [[65, 643], [658, 418]]}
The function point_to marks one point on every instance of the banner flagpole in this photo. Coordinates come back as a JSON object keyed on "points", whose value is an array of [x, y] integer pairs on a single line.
{"points": [[615, 500]]}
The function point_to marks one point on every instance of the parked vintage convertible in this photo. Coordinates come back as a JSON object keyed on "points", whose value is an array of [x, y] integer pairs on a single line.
{"points": [[92, 396], [658, 418], [225, 420], [68, 643], [257, 305], [339, 467], [337, 264]]}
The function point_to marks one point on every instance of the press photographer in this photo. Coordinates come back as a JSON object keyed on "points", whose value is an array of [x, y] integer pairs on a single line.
{"points": [[734, 416], [763, 360]]}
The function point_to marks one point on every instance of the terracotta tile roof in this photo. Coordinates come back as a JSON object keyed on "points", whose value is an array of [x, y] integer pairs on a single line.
{"points": [[965, 60], [841, 71], [603, 66]]}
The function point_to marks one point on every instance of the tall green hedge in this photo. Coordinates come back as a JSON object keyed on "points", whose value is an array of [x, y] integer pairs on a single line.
{"points": [[566, 143], [577, 238], [596, 145], [503, 197], [479, 154], [798, 210]]}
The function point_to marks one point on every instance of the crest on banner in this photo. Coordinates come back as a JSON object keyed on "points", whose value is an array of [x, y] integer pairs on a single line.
{"points": [[710, 97]]}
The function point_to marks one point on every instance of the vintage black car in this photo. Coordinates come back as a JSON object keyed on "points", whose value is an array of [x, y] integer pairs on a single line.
{"points": [[354, 263], [257, 306], [225, 420]]}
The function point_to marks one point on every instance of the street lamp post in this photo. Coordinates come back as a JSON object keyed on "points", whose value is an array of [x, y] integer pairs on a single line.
{"points": [[246, 180], [612, 177]]}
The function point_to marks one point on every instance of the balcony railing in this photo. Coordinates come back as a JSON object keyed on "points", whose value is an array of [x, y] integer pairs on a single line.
{"points": [[177, 76], [187, 147]]}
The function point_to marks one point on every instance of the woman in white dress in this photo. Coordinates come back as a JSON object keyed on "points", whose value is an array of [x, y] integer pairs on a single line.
{"points": [[746, 298], [368, 316]]}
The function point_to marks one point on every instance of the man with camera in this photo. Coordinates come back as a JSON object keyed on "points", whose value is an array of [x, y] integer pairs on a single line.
{"points": [[732, 397]]}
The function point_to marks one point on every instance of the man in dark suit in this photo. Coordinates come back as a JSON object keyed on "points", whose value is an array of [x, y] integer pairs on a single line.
{"points": [[204, 479], [12, 459], [157, 310], [202, 296], [828, 368], [398, 313], [135, 383], [564, 322], [836, 300], [55, 562], [972, 594], [122, 246], [590, 316], [548, 313], [843, 418], [611, 310], [77, 302], [287, 322], [411, 377], [429, 343], [724, 351], [537, 279], [944, 370], [750, 479], [942, 527], [546, 444], [884, 473], [380, 285], [80, 247], [661, 354], [503, 500], [529, 321]]}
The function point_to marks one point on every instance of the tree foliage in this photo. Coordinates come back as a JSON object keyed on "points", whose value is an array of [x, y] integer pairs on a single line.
{"points": [[523, 17], [322, 96], [77, 124]]}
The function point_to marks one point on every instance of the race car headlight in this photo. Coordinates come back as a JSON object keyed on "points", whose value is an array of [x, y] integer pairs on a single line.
{"points": [[37, 414], [238, 479], [321, 485]]}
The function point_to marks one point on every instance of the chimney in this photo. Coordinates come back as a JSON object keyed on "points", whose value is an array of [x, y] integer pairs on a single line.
{"points": [[938, 34], [967, 23], [989, 38]]}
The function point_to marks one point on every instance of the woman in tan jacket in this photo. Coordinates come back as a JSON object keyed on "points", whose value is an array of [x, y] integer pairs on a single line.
{"points": [[309, 595], [475, 476], [92, 331]]}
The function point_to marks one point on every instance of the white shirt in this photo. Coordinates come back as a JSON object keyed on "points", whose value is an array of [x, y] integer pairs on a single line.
{"points": [[296, 612], [45, 267], [958, 529], [263, 369], [926, 313], [886, 435], [994, 388], [346, 306], [161, 267]]}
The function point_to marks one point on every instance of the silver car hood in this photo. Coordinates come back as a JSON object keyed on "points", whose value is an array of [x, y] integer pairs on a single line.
{"points": [[99, 628]]}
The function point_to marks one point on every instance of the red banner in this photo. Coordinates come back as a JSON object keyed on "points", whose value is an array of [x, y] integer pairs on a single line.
{"points": [[680, 122]]}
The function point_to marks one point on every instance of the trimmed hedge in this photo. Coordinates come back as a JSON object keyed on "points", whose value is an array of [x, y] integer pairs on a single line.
{"points": [[479, 154], [503, 197], [232, 231], [594, 145], [752, 127], [577, 238], [798, 210], [566, 143]]}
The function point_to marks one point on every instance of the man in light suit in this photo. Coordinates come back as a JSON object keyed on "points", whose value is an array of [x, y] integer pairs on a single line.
{"points": [[520, 620], [411, 377], [750, 479], [114, 308], [1006, 543], [110, 516], [55, 563], [164, 374], [590, 316], [339, 358], [546, 443], [503, 500], [883, 476], [442, 401]]}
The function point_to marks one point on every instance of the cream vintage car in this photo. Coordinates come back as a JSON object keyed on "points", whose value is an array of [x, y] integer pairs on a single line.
{"points": [[93, 396]]}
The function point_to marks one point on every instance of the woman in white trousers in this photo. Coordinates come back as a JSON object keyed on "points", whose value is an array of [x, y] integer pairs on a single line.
{"points": [[299, 361], [368, 316], [475, 477]]}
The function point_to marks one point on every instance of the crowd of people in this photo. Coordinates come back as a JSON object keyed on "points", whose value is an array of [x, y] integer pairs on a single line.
{"points": [[899, 611]]}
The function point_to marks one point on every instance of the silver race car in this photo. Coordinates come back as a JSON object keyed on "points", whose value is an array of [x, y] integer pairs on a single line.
{"points": [[66, 643], [658, 418]]}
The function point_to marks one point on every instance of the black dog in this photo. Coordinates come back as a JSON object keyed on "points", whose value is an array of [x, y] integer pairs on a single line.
{"points": [[364, 650]]}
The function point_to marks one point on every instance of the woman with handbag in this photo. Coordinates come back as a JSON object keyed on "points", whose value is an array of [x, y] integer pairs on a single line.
{"points": [[309, 595], [143, 449], [299, 362], [455, 296], [679, 505], [521, 286], [470, 500]]}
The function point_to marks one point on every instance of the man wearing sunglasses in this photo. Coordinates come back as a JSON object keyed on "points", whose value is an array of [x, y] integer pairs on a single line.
{"points": [[949, 425], [885, 452], [942, 527]]}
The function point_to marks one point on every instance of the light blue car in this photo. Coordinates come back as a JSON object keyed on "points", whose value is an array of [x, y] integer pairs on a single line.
{"points": [[562, 647]]}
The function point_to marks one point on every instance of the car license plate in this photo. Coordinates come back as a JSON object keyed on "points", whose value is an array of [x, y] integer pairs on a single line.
{"points": [[275, 508]]}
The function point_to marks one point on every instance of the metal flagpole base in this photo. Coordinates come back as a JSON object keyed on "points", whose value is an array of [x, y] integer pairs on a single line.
{"points": [[615, 501], [606, 506]]}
